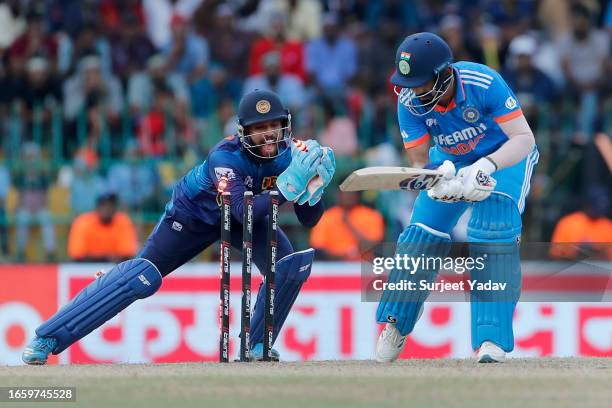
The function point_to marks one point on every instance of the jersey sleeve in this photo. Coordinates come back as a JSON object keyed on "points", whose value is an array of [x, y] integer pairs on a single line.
{"points": [[413, 129], [500, 101]]}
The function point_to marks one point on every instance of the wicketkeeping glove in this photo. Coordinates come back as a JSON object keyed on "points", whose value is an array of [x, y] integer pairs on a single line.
{"points": [[292, 182]]}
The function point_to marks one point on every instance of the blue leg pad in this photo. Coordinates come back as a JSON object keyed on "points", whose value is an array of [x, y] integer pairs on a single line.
{"points": [[494, 233], [291, 272], [403, 307], [100, 301]]}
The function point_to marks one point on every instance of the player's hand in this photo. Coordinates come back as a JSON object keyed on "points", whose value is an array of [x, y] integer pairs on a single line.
{"points": [[449, 188], [325, 173], [477, 181], [305, 158]]}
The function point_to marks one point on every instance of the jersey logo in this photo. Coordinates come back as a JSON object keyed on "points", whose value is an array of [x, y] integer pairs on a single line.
{"points": [[461, 141], [268, 183], [431, 122], [248, 181], [510, 103], [224, 172], [471, 115]]}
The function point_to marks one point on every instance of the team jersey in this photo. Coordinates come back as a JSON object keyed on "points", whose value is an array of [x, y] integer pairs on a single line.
{"points": [[468, 128], [196, 193]]}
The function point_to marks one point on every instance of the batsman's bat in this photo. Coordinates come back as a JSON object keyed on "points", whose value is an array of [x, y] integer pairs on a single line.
{"points": [[391, 178]]}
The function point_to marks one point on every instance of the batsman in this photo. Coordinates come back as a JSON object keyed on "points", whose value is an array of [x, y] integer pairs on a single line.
{"points": [[260, 157], [483, 144]]}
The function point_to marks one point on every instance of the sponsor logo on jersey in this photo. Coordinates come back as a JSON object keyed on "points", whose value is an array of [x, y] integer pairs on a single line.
{"points": [[268, 183], [431, 122], [177, 226], [461, 141], [224, 172], [511, 103]]}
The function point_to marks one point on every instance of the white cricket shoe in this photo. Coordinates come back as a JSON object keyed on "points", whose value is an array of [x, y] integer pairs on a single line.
{"points": [[491, 353], [390, 344]]}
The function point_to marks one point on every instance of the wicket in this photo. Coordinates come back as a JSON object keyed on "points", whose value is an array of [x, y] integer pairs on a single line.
{"points": [[247, 256]]}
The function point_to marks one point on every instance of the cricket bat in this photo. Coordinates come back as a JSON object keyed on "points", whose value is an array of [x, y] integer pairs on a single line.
{"points": [[391, 178]]}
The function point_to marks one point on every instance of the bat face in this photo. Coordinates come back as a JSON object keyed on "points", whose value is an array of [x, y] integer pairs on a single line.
{"points": [[391, 178]]}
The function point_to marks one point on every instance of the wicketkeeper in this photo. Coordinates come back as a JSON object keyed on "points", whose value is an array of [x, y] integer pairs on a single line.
{"points": [[262, 156], [483, 144]]}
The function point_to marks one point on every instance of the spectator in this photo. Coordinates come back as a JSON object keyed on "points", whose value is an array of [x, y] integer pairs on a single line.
{"points": [[186, 52], [32, 182], [331, 61], [142, 86], [452, 30], [303, 17], [590, 229], [103, 235], [34, 41], [130, 48], [89, 89], [533, 88], [347, 230], [287, 86], [86, 185], [12, 23], [164, 129], [584, 52], [158, 16], [86, 42], [291, 51], [41, 96], [134, 180], [230, 44], [339, 132]]}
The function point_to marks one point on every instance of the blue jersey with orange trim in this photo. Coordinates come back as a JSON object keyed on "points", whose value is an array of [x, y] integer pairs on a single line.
{"points": [[196, 193], [468, 128]]}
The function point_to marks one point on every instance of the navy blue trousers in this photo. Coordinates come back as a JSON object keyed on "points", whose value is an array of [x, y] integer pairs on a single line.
{"points": [[176, 240]]}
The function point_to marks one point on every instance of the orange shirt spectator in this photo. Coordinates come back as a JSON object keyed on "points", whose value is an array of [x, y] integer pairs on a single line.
{"points": [[585, 229], [348, 229], [103, 235]]}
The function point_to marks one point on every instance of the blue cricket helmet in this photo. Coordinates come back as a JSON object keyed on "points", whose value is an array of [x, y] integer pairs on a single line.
{"points": [[419, 59], [263, 106]]}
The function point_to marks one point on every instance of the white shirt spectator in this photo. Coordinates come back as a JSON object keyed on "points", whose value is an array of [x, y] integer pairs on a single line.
{"points": [[158, 14]]}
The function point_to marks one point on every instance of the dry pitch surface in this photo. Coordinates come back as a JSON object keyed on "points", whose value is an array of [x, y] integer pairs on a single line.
{"points": [[520, 383]]}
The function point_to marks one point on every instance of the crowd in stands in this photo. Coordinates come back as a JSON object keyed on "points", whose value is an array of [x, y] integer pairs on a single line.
{"points": [[121, 97]]}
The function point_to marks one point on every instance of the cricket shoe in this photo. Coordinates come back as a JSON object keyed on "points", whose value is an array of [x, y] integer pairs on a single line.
{"points": [[390, 344], [257, 353], [491, 353], [37, 350]]}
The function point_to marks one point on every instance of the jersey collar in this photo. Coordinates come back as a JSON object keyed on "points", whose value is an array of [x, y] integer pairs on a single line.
{"points": [[459, 95]]}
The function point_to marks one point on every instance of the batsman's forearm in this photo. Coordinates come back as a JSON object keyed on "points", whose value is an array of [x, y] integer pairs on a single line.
{"points": [[418, 155], [521, 142]]}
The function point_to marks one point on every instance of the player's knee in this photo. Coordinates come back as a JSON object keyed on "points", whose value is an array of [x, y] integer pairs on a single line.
{"points": [[143, 276], [495, 219], [418, 235]]}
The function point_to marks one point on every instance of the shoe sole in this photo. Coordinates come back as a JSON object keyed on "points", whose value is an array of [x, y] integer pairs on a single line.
{"points": [[35, 362], [488, 359]]}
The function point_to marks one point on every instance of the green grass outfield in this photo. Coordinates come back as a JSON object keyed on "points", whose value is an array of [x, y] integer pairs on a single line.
{"points": [[521, 383]]}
